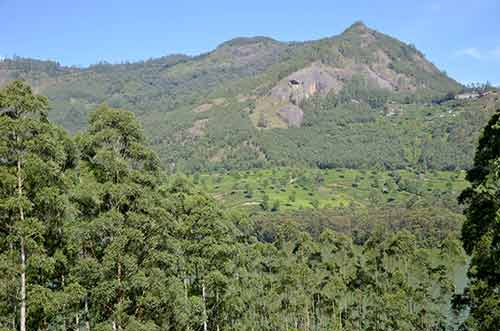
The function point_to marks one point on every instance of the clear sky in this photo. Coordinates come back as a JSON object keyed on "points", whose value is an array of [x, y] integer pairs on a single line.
{"points": [[460, 37]]}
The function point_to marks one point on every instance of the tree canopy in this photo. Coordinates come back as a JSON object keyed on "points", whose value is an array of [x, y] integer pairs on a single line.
{"points": [[481, 230], [95, 236]]}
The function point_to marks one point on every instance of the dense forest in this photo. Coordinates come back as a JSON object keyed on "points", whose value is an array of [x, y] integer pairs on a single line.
{"points": [[362, 99], [96, 236], [318, 185]]}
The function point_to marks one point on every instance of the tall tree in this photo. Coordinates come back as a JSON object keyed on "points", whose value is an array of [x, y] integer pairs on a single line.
{"points": [[34, 159], [481, 230], [117, 220], [207, 244]]}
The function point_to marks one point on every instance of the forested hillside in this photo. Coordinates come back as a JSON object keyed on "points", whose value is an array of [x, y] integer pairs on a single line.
{"points": [[341, 184], [357, 100], [95, 237]]}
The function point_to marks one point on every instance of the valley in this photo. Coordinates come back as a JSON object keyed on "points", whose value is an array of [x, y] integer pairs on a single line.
{"points": [[344, 183]]}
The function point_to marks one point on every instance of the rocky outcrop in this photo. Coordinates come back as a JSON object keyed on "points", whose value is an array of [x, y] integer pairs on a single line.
{"points": [[292, 115], [322, 79], [302, 84]]}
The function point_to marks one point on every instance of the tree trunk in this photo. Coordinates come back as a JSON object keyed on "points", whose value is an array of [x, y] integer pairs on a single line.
{"points": [[87, 321], [306, 319], [14, 319], [186, 296], [185, 288], [22, 316], [217, 319], [205, 317], [120, 296], [23, 287]]}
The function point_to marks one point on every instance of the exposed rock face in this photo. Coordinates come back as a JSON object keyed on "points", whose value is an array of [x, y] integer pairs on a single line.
{"points": [[292, 115], [359, 55], [302, 84], [242, 70], [323, 79]]}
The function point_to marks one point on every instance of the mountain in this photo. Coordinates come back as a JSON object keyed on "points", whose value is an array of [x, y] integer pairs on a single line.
{"points": [[256, 101]]}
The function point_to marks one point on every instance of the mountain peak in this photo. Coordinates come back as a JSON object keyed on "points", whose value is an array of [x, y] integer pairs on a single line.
{"points": [[274, 77], [358, 26]]}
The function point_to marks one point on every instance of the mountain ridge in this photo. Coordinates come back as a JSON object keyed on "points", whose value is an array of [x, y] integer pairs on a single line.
{"points": [[204, 111], [356, 27]]}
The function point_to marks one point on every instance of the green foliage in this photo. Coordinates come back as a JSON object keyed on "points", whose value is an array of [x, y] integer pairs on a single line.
{"points": [[481, 232], [333, 135], [109, 243], [36, 172], [229, 82], [296, 188]]}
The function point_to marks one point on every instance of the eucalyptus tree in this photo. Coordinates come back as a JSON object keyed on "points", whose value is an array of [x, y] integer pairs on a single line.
{"points": [[481, 231], [208, 244], [119, 215], [36, 162]]}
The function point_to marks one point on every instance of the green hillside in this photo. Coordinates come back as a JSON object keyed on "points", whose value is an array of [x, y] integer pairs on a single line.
{"points": [[98, 236], [333, 134], [357, 100]]}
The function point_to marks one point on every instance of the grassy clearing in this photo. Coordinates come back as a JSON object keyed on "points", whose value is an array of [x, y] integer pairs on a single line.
{"points": [[295, 189]]}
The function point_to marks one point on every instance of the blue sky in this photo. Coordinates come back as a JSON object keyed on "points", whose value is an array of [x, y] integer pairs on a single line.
{"points": [[460, 37]]}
